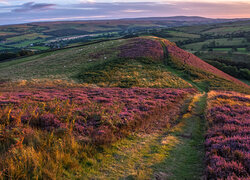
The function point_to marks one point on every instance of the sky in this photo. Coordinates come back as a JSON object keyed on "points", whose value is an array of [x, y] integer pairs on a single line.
{"points": [[23, 11]]}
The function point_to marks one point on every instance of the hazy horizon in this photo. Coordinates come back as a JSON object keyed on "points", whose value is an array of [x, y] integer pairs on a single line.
{"points": [[16, 12]]}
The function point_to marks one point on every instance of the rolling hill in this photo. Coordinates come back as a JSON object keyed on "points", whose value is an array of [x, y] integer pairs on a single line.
{"points": [[121, 109], [137, 62]]}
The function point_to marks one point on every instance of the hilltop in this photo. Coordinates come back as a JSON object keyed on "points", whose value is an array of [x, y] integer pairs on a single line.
{"points": [[136, 62]]}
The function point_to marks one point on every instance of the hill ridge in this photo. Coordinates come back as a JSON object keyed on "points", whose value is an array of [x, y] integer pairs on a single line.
{"points": [[194, 61]]}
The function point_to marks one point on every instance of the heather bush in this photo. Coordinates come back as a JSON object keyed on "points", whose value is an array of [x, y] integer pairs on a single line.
{"points": [[201, 73], [142, 47], [227, 139], [47, 132]]}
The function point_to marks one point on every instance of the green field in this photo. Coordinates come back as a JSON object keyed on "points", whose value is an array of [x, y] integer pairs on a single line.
{"points": [[182, 34], [218, 42], [59, 64], [20, 36]]}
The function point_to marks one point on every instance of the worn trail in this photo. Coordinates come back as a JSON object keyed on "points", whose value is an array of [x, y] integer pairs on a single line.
{"points": [[185, 161], [175, 153]]}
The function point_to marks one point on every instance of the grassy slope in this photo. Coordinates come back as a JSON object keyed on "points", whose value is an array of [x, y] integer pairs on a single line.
{"points": [[132, 73], [60, 64], [219, 42], [193, 69], [99, 64], [94, 64], [173, 153]]}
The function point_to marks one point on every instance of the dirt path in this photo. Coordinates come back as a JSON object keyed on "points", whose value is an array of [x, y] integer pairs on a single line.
{"points": [[186, 159], [175, 153]]}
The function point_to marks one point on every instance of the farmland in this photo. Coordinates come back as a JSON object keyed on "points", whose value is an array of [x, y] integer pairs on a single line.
{"points": [[224, 43], [29, 36], [24, 35]]}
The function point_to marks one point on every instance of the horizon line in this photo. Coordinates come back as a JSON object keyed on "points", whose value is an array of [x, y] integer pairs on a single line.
{"points": [[112, 19]]}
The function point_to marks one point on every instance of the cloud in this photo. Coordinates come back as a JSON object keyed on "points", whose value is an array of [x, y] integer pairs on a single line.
{"points": [[68, 18], [3, 2], [10, 14], [31, 6], [133, 11]]}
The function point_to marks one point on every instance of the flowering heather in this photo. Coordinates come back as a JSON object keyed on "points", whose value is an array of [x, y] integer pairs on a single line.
{"points": [[46, 132], [142, 47], [191, 60], [227, 140], [90, 112]]}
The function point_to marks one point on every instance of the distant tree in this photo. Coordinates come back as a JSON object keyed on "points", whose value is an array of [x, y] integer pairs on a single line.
{"points": [[248, 48], [25, 53], [230, 38], [248, 39], [234, 49], [7, 55], [197, 53], [212, 44], [11, 55], [230, 53], [245, 73], [204, 46]]}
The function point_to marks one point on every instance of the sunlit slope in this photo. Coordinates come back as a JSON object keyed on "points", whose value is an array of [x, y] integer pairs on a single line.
{"points": [[61, 64], [140, 63], [134, 62], [120, 63], [201, 73]]}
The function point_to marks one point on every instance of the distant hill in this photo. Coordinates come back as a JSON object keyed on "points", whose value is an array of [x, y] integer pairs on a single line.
{"points": [[39, 36], [189, 19]]}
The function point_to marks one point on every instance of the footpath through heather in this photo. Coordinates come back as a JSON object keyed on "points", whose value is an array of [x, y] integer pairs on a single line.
{"points": [[186, 159], [175, 153]]}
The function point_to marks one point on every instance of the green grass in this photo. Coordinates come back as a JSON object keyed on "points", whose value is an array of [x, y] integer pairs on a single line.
{"points": [[185, 160], [186, 78], [130, 158], [183, 34], [62, 64], [219, 42], [39, 48], [204, 80], [245, 81], [176, 39], [174, 153], [25, 43], [4, 48], [222, 49], [141, 72], [230, 29], [26, 37]]}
